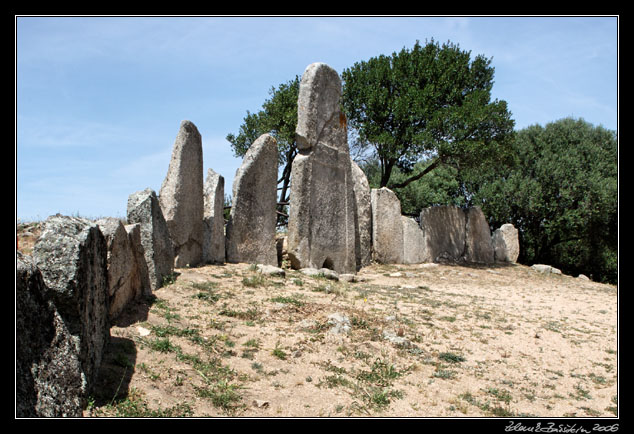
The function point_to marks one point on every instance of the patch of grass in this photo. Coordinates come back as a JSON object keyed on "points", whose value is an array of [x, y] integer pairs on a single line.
{"points": [[163, 345], [451, 357], [135, 406], [288, 300], [279, 353], [254, 281], [251, 314], [222, 394]]}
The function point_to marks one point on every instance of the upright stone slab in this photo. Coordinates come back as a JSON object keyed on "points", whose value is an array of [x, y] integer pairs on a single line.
{"points": [[144, 208], [134, 235], [321, 224], [363, 224], [478, 244], [72, 254], [444, 231], [181, 196], [414, 246], [48, 372], [213, 219], [506, 243], [124, 281], [252, 221], [387, 227]]}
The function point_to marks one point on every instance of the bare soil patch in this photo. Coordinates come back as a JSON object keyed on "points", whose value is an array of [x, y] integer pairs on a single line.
{"points": [[414, 341]]}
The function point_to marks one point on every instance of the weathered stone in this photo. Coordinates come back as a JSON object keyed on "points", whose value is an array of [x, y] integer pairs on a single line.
{"points": [[414, 245], [478, 244], [363, 224], [506, 243], [546, 269], [144, 208], [134, 235], [49, 381], [387, 227], [72, 255], [252, 222], [213, 219], [444, 231], [321, 224], [271, 270], [124, 281], [326, 273], [181, 197], [340, 323]]}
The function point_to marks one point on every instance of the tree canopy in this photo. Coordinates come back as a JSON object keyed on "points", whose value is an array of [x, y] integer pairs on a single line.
{"points": [[431, 102], [278, 117]]}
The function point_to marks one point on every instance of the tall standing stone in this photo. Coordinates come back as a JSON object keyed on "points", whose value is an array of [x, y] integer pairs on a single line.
{"points": [[363, 216], [506, 243], [387, 227], [71, 254], [181, 196], [213, 219], [478, 244], [48, 371], [444, 231], [321, 224], [252, 221], [144, 208]]}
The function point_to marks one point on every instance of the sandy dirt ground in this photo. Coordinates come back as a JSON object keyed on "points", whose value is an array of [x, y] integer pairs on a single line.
{"points": [[402, 341]]}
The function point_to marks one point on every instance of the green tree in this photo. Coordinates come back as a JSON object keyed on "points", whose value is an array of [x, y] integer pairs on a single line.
{"points": [[278, 117], [561, 195], [429, 103]]}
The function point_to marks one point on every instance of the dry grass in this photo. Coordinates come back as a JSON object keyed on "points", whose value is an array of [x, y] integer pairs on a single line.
{"points": [[422, 341]]}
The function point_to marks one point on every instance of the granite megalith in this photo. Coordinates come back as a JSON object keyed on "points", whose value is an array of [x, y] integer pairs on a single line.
{"points": [[252, 221], [71, 254], [506, 243], [144, 208], [49, 380], [321, 223], [213, 219], [387, 227], [414, 246], [478, 244], [444, 231], [124, 281], [363, 223], [181, 196]]}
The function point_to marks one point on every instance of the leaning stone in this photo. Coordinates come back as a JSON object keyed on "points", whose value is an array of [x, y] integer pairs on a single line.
{"points": [[478, 244], [363, 224], [414, 245], [321, 224], [252, 222], [144, 208], [181, 197], [444, 231], [48, 375], [387, 227], [506, 243], [72, 255], [124, 281], [213, 219]]}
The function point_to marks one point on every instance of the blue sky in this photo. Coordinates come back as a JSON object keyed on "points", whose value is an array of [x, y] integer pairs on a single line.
{"points": [[99, 100]]}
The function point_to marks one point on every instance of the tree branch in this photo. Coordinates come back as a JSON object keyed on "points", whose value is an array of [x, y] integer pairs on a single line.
{"points": [[416, 177]]}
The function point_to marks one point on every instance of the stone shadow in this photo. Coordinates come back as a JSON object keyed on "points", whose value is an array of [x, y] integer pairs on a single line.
{"points": [[115, 372]]}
